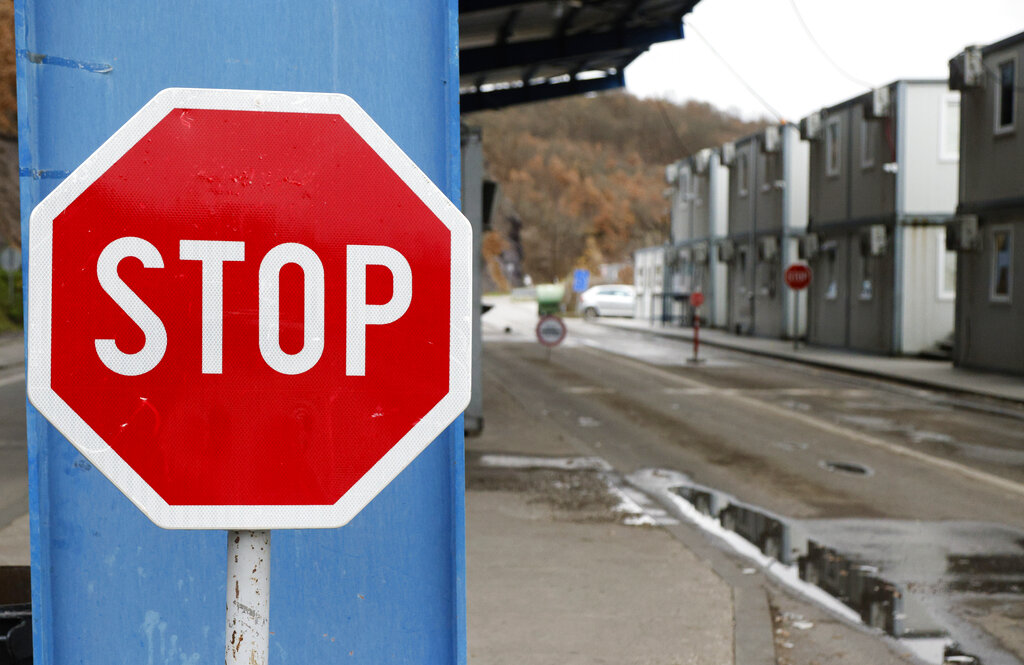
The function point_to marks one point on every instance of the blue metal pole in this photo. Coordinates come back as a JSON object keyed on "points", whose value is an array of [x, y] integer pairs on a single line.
{"points": [[107, 585]]}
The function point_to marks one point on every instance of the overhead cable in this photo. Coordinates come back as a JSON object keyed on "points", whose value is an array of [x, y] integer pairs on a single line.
{"points": [[689, 24], [824, 53]]}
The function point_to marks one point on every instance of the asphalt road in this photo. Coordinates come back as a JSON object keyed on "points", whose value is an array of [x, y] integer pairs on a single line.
{"points": [[938, 506]]}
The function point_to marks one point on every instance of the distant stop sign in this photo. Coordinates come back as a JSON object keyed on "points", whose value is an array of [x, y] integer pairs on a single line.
{"points": [[798, 276], [696, 298], [249, 309]]}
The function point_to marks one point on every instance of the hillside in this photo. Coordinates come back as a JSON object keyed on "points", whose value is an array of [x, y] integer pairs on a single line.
{"points": [[582, 178]]}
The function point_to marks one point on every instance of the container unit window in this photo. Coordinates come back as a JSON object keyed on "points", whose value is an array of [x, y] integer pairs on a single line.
{"points": [[868, 143], [828, 252], [743, 173], [1005, 100], [832, 147], [947, 268], [1001, 253], [866, 280], [949, 128], [772, 176]]}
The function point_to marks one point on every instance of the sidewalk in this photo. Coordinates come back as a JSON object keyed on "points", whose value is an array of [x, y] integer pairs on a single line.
{"points": [[12, 350], [919, 372], [554, 576]]}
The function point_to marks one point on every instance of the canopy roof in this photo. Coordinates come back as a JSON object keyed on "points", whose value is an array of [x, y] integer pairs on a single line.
{"points": [[514, 51]]}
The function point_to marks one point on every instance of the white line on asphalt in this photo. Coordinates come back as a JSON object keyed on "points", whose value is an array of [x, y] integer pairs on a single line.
{"points": [[999, 482], [8, 380]]}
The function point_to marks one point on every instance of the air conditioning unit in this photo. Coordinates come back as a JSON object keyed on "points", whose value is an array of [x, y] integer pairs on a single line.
{"points": [[808, 246], [700, 254], [810, 127], [726, 251], [772, 141], [873, 241], [962, 234], [768, 248], [728, 153], [701, 160], [966, 69], [880, 104]]}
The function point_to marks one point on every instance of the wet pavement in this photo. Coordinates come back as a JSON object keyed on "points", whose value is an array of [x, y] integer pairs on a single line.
{"points": [[925, 486]]}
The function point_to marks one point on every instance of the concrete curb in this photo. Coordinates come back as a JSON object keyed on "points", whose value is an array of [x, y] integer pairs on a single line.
{"points": [[753, 637]]}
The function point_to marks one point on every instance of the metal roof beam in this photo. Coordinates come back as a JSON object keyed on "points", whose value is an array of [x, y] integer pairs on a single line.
{"points": [[479, 101], [526, 54], [468, 6]]}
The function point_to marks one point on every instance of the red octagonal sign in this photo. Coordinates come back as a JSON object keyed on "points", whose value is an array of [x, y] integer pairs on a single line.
{"points": [[249, 309]]}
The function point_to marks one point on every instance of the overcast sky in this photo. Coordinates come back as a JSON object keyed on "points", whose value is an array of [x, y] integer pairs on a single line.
{"points": [[875, 41]]}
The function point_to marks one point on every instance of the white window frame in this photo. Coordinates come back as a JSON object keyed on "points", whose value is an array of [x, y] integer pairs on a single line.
{"points": [[993, 254], [998, 96], [867, 149], [949, 153], [743, 174], [830, 147], [943, 293]]}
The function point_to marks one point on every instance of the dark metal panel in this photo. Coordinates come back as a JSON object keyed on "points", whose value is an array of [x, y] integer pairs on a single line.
{"points": [[506, 44], [535, 93], [479, 60]]}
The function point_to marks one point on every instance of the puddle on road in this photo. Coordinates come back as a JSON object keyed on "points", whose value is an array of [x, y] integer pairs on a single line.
{"points": [[988, 574]]}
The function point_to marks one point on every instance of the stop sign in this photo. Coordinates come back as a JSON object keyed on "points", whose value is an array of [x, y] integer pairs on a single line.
{"points": [[798, 276], [249, 309]]}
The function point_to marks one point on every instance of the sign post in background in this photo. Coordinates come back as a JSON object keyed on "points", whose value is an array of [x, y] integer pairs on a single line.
{"points": [[696, 300], [580, 283], [798, 278], [161, 593]]}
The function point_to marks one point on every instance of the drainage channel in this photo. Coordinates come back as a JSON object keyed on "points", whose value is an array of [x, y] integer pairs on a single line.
{"points": [[827, 561]]}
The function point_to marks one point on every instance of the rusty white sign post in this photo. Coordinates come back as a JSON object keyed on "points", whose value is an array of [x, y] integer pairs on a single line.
{"points": [[250, 311]]}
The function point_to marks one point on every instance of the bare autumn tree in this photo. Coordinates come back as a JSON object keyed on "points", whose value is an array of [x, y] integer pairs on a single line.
{"points": [[585, 175]]}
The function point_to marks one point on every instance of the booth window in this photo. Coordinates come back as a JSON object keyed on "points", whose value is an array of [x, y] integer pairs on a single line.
{"points": [[1002, 264]]}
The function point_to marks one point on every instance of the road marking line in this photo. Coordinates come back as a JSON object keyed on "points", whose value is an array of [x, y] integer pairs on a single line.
{"points": [[999, 482], [589, 390], [8, 380]]}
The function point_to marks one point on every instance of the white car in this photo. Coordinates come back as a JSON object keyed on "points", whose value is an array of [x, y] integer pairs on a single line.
{"points": [[608, 300]]}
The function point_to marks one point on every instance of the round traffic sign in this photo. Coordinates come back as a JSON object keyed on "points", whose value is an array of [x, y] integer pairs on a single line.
{"points": [[10, 259], [249, 309], [550, 330], [696, 298], [798, 276]]}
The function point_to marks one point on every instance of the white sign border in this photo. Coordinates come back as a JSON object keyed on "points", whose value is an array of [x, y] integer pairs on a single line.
{"points": [[89, 443]]}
